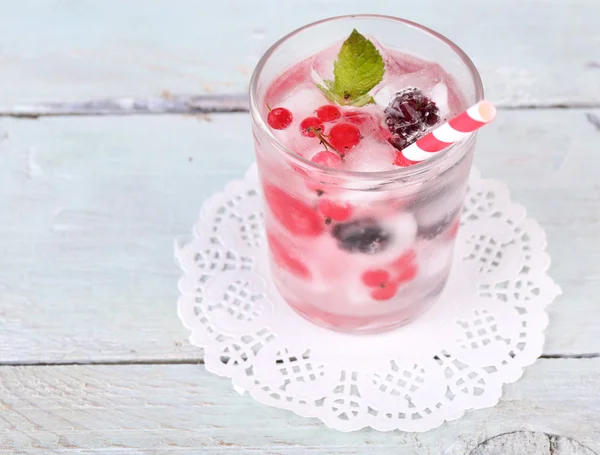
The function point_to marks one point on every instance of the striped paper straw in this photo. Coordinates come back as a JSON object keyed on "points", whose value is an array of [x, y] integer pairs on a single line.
{"points": [[447, 134]]}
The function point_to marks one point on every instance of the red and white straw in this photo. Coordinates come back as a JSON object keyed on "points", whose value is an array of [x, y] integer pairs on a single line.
{"points": [[447, 134]]}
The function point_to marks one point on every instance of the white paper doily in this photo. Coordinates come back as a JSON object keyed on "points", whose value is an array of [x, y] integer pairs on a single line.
{"points": [[487, 325]]}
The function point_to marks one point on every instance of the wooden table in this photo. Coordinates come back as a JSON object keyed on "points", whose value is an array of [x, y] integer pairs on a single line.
{"points": [[119, 118]]}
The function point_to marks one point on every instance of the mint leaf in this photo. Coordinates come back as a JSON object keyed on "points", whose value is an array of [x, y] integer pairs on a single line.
{"points": [[328, 92], [359, 67], [363, 100]]}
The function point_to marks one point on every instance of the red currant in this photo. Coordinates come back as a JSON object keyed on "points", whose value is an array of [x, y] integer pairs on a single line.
{"points": [[328, 113], [405, 267], [308, 123], [286, 259], [338, 211], [375, 278], [407, 274], [343, 137], [384, 293], [279, 118], [315, 186], [404, 261], [297, 217], [327, 159], [453, 231], [402, 161]]}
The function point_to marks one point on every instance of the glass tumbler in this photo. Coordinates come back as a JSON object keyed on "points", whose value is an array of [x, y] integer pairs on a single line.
{"points": [[412, 211]]}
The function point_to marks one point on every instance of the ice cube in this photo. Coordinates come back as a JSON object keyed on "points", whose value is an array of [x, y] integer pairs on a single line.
{"points": [[371, 156], [302, 102], [397, 62], [373, 153], [403, 229], [439, 212], [439, 95], [322, 65], [434, 259], [425, 80], [404, 70]]}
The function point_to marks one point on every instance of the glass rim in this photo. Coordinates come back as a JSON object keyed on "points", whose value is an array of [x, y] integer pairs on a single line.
{"points": [[401, 172]]}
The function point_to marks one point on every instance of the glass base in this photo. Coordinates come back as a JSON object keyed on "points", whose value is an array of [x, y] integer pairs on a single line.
{"points": [[366, 324]]}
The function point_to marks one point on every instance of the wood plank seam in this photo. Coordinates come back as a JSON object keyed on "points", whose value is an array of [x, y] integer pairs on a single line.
{"points": [[185, 361], [194, 104]]}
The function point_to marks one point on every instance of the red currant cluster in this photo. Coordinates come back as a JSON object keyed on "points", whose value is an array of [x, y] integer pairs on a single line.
{"points": [[340, 139], [339, 133], [385, 282]]}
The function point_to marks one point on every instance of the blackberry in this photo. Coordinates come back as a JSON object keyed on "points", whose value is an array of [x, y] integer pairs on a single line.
{"points": [[361, 236], [409, 115]]}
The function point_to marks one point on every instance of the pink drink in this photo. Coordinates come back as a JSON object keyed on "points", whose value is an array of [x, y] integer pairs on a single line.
{"points": [[359, 242]]}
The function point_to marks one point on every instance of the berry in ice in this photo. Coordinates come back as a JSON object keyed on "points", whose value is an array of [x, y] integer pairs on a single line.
{"points": [[279, 118], [375, 278], [361, 236], [293, 214], [327, 158], [385, 293], [409, 116], [404, 261], [337, 211], [343, 137], [309, 125], [328, 113], [453, 231], [287, 259], [402, 161]]}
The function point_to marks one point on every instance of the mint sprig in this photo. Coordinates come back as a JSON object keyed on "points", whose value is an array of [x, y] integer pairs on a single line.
{"points": [[359, 67]]}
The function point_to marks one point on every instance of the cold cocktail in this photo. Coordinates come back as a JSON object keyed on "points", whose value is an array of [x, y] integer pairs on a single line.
{"points": [[360, 238]]}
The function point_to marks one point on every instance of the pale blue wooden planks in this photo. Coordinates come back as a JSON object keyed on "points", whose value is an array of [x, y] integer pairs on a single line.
{"points": [[175, 409], [90, 206], [528, 52], [95, 204]]}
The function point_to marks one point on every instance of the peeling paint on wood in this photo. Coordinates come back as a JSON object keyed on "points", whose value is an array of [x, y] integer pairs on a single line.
{"points": [[164, 409], [594, 120], [530, 443], [165, 104], [200, 105]]}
